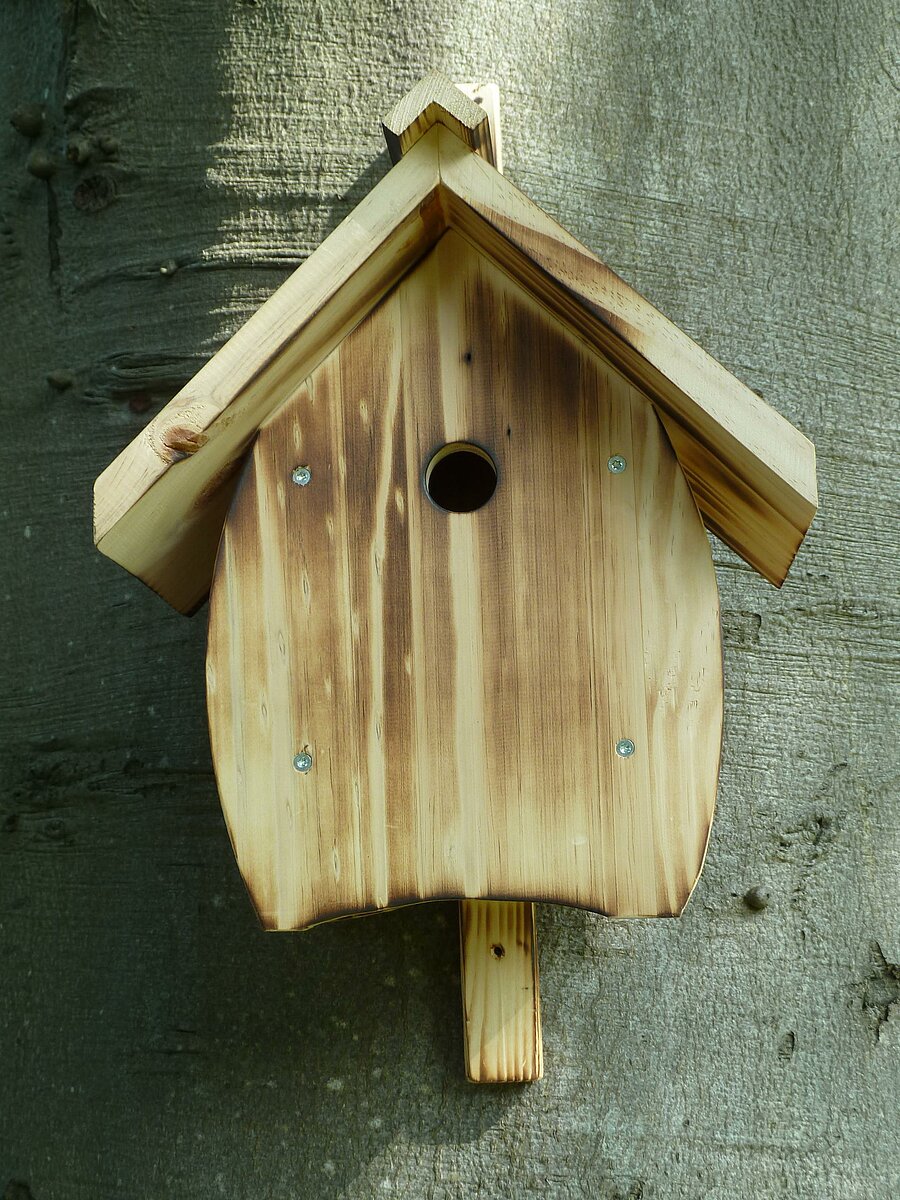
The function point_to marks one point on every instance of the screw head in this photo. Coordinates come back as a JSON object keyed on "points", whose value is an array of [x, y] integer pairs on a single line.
{"points": [[624, 747], [303, 762], [616, 464], [301, 476]]}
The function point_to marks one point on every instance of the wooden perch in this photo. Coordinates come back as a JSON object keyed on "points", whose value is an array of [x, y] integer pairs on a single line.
{"points": [[501, 998]]}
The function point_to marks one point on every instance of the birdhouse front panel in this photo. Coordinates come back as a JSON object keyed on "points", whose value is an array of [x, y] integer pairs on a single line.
{"points": [[464, 629]]}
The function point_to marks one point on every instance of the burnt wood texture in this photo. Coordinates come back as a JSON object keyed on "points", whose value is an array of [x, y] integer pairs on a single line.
{"points": [[462, 680], [734, 164], [159, 506]]}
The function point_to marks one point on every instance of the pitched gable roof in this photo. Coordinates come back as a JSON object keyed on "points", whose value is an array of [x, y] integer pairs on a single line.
{"points": [[160, 506]]}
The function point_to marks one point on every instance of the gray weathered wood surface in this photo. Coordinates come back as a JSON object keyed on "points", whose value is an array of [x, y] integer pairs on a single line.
{"points": [[734, 163]]}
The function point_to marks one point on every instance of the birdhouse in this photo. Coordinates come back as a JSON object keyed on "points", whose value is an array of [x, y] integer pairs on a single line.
{"points": [[446, 491]]}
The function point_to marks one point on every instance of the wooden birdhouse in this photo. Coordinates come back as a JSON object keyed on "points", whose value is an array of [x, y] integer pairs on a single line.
{"points": [[446, 491]]}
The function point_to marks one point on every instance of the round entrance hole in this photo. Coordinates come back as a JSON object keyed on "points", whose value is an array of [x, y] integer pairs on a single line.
{"points": [[460, 477]]}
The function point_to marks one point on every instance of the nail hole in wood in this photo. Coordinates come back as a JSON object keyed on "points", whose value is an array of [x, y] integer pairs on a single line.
{"points": [[460, 477], [497, 950]]}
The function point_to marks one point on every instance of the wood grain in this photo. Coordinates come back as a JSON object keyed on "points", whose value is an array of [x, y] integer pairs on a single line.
{"points": [[753, 473], [462, 679], [160, 506], [501, 997], [436, 100], [769, 229], [487, 97], [501, 1000]]}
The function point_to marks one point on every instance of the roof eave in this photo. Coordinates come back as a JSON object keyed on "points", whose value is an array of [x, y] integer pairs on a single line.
{"points": [[160, 507], [752, 472]]}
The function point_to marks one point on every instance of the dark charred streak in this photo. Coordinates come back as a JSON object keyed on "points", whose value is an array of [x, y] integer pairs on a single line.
{"points": [[432, 214], [238, 512], [566, 260], [481, 139], [622, 348], [534, 336]]}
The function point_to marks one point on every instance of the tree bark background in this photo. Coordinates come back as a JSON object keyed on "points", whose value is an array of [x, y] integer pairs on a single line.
{"points": [[736, 163]]}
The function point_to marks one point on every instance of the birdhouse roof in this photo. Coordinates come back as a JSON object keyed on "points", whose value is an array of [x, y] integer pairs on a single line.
{"points": [[159, 508]]}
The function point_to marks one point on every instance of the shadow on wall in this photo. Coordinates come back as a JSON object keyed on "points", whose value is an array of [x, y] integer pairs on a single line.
{"points": [[290, 1059], [325, 1048]]}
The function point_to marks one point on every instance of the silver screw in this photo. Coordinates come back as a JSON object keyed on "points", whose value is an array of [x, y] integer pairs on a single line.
{"points": [[303, 762], [625, 748], [301, 476], [616, 464]]}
